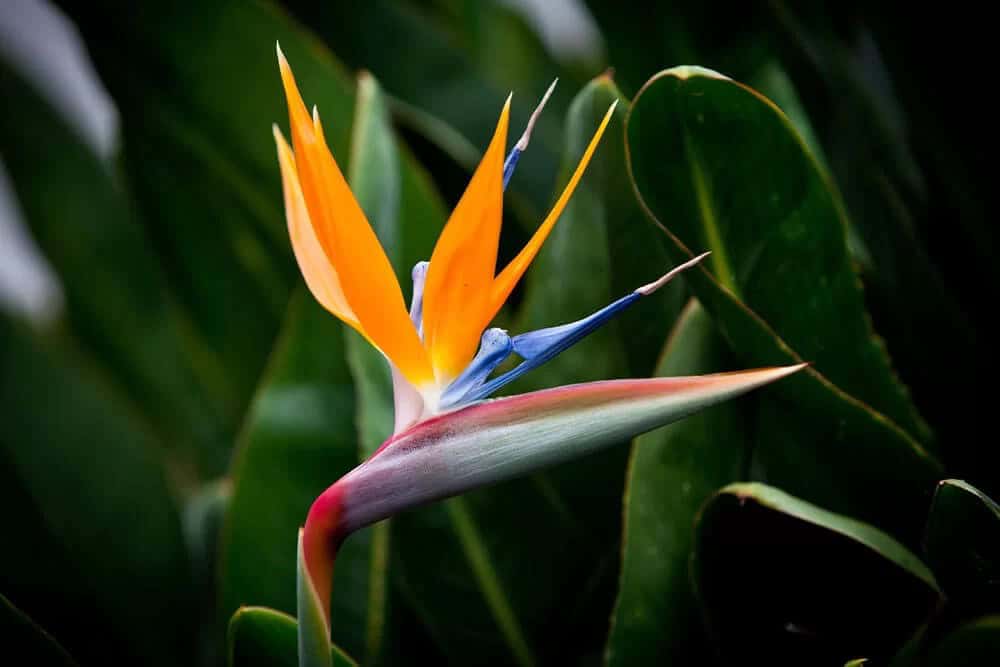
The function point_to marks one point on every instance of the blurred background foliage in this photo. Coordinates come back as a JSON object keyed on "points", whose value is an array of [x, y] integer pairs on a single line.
{"points": [[171, 398]]}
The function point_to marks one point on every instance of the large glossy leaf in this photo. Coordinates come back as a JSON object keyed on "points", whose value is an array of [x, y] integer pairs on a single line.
{"points": [[774, 224], [800, 568], [772, 81], [962, 544], [671, 472], [264, 637], [115, 290], [94, 550], [780, 287], [27, 641]]}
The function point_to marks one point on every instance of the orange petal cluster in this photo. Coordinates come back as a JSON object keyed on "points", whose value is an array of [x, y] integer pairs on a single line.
{"points": [[348, 272]]}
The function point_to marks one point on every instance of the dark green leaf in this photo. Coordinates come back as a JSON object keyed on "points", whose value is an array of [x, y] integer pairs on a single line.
{"points": [[775, 226], [26, 640], [671, 473], [95, 551], [299, 438], [202, 521], [914, 295], [682, 31], [974, 645], [197, 95], [780, 287], [263, 637], [116, 294], [773, 82], [799, 567], [468, 582], [962, 544]]}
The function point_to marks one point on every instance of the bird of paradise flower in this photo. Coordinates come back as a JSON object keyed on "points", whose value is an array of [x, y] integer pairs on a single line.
{"points": [[449, 437]]}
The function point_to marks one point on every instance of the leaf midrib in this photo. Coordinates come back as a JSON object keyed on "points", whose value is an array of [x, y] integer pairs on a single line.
{"points": [[486, 576], [709, 219]]}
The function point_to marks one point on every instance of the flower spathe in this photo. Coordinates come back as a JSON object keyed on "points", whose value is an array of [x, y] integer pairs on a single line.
{"points": [[447, 438]]}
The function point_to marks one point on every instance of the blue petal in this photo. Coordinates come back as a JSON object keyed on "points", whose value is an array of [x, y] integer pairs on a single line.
{"points": [[537, 347], [419, 275], [494, 347], [510, 164]]}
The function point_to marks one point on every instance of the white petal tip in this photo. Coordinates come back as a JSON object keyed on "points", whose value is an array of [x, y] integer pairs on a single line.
{"points": [[779, 372], [646, 290], [522, 143]]}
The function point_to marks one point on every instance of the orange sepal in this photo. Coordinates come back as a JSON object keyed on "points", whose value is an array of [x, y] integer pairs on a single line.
{"points": [[507, 280], [463, 264], [320, 275], [366, 278]]}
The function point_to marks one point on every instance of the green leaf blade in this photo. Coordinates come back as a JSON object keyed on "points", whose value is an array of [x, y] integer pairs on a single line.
{"points": [[264, 637], [796, 294], [776, 228], [962, 544], [671, 472], [110, 576], [800, 566], [115, 289], [29, 641]]}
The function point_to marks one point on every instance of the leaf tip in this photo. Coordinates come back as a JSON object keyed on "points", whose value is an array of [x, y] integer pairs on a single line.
{"points": [[282, 61], [684, 72]]}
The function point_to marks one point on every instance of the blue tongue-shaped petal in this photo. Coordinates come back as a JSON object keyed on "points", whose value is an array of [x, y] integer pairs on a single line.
{"points": [[494, 347], [536, 347], [419, 275]]}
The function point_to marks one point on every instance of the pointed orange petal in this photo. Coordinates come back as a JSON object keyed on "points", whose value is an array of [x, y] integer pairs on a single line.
{"points": [[505, 282], [366, 277], [463, 264], [320, 276]]}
